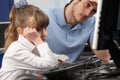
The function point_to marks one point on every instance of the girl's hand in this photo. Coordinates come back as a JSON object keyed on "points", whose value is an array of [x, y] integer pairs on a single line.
{"points": [[33, 36]]}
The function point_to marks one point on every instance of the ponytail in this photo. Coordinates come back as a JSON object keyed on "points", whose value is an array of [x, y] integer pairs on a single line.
{"points": [[10, 33]]}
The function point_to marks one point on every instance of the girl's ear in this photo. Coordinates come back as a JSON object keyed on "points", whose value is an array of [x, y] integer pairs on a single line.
{"points": [[20, 30]]}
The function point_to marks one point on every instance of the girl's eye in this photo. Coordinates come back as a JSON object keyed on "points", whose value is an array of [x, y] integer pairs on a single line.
{"points": [[38, 29]]}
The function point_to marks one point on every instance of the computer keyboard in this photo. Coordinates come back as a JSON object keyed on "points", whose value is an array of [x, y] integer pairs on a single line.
{"points": [[89, 63], [64, 67]]}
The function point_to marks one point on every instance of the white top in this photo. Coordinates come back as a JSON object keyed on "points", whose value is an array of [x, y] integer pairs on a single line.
{"points": [[23, 55]]}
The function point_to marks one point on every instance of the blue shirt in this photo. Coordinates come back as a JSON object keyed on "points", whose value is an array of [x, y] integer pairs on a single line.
{"points": [[62, 39]]}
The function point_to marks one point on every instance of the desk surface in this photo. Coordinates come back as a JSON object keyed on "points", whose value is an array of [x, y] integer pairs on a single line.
{"points": [[91, 72]]}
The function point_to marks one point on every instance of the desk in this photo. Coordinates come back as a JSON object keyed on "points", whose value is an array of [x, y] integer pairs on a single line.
{"points": [[99, 71]]}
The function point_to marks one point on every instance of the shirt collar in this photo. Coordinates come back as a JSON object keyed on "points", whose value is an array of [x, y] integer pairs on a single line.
{"points": [[26, 43], [60, 17]]}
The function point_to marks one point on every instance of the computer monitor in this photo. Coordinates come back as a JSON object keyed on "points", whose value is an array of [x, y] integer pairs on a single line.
{"points": [[107, 28]]}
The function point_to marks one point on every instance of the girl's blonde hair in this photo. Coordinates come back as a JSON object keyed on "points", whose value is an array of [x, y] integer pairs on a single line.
{"points": [[19, 17]]}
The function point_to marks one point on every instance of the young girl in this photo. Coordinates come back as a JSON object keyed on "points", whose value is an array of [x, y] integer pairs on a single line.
{"points": [[26, 52]]}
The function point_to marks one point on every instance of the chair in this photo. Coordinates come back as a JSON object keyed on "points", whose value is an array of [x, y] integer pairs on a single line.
{"points": [[1, 56], [3, 26]]}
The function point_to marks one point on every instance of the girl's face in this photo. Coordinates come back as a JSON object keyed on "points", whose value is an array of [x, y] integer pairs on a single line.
{"points": [[32, 24], [42, 32]]}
